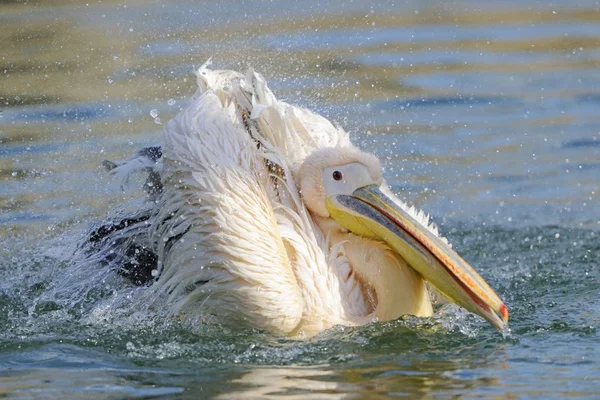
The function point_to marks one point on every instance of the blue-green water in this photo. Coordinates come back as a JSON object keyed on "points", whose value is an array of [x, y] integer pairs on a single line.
{"points": [[485, 114]]}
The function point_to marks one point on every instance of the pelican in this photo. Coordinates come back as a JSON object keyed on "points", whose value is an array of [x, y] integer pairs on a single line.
{"points": [[262, 214]]}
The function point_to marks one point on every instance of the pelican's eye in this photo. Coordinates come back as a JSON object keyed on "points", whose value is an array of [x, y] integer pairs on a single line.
{"points": [[337, 175]]}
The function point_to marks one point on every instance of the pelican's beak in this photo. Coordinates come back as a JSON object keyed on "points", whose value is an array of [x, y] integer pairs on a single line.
{"points": [[368, 212]]}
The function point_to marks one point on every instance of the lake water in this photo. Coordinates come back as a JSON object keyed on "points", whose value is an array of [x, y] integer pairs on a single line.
{"points": [[485, 114]]}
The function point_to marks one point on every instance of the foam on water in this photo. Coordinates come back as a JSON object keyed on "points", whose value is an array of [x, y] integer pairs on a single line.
{"points": [[549, 282]]}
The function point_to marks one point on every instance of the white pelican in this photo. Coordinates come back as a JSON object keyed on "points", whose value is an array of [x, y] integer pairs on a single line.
{"points": [[265, 215]]}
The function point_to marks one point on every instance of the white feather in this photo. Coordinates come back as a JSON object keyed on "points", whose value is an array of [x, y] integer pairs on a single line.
{"points": [[234, 239]]}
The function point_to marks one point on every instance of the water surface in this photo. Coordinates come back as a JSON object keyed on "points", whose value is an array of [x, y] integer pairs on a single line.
{"points": [[485, 114]]}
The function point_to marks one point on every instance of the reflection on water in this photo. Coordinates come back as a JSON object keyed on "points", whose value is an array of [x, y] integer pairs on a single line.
{"points": [[415, 379], [294, 383], [485, 114]]}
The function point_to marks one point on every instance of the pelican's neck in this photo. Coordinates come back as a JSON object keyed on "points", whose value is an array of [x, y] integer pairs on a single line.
{"points": [[399, 289]]}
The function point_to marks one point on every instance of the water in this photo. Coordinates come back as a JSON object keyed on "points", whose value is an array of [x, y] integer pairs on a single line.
{"points": [[484, 114]]}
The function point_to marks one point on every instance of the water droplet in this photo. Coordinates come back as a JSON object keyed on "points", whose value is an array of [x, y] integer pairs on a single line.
{"points": [[154, 113], [157, 121], [171, 102]]}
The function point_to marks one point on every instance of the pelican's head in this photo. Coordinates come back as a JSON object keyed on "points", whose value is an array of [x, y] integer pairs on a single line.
{"points": [[343, 183]]}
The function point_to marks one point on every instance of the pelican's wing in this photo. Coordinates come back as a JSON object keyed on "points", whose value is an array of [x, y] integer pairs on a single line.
{"points": [[220, 251], [294, 131]]}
